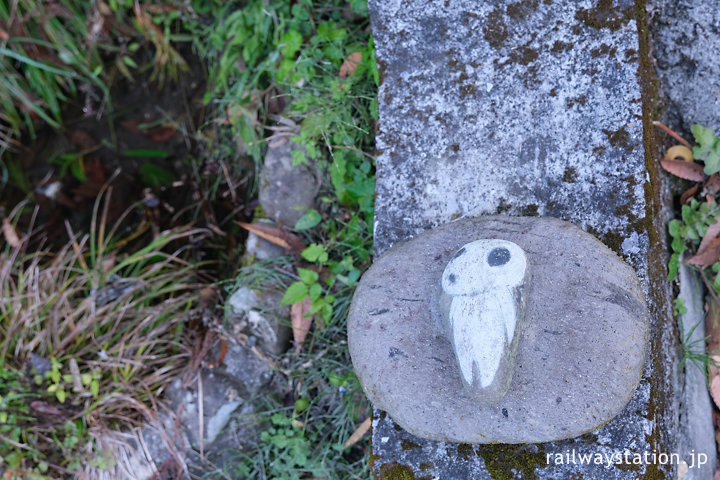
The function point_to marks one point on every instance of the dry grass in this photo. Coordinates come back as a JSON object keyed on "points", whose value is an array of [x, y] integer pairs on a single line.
{"points": [[112, 324]]}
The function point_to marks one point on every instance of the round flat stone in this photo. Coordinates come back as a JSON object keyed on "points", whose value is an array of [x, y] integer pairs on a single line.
{"points": [[580, 351]]}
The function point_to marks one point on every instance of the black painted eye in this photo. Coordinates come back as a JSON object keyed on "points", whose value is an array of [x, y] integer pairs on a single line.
{"points": [[498, 256]]}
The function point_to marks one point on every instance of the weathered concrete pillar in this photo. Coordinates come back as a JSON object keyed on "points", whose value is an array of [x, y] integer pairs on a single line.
{"points": [[529, 108]]}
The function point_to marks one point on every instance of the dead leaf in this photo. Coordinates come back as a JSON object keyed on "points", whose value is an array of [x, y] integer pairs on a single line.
{"points": [[682, 470], [715, 390], [682, 169], [689, 194], [349, 66], [712, 186], [712, 232], [713, 371], [4, 35], [95, 178], [300, 321], [358, 433], [161, 133], [82, 140], [276, 235], [705, 258], [717, 475], [11, 236], [44, 407]]}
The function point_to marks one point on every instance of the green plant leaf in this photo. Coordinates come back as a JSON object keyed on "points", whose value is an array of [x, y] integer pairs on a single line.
{"points": [[146, 152], [308, 276], [155, 176], [311, 218], [294, 294], [314, 253]]}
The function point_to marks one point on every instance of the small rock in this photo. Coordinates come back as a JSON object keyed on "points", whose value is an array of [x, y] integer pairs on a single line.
{"points": [[583, 340], [260, 316], [284, 187]]}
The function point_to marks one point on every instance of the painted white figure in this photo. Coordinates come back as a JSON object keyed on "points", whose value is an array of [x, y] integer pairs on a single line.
{"points": [[485, 280]]}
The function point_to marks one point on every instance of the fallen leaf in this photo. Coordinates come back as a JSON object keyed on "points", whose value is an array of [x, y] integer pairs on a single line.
{"points": [[300, 321], [131, 125], [682, 169], [682, 470], [160, 133], [82, 140], [44, 407], [712, 186], [95, 181], [712, 369], [712, 232], [4, 35], [715, 390], [276, 235], [349, 66], [358, 433], [11, 236], [717, 475], [689, 194], [705, 258]]}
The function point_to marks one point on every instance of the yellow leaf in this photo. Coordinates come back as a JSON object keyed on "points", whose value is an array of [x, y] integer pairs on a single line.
{"points": [[358, 433]]}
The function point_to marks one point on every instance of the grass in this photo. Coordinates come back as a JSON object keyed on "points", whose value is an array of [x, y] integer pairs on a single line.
{"points": [[108, 324], [90, 335]]}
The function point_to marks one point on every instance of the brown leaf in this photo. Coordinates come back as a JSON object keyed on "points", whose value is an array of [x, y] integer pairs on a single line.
{"points": [[712, 186], [712, 232], [349, 66], [717, 475], [11, 236], [715, 390], [82, 140], [359, 432], [160, 133], [689, 194], [131, 125], [95, 178], [275, 235], [44, 407], [706, 257], [300, 321], [682, 169]]}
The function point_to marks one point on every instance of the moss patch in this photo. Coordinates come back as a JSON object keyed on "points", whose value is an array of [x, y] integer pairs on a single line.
{"points": [[395, 471], [504, 461]]}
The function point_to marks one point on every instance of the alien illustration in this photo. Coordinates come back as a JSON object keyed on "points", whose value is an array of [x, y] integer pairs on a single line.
{"points": [[484, 281]]}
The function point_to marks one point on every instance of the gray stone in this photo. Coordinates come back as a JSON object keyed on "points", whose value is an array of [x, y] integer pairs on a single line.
{"points": [[286, 191], [697, 439], [685, 39], [580, 353], [259, 314], [527, 108], [225, 388]]}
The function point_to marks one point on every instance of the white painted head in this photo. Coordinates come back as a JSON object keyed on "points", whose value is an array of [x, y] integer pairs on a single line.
{"points": [[484, 265], [483, 278]]}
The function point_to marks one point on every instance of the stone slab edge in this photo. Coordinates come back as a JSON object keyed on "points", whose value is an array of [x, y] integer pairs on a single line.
{"points": [[697, 440], [654, 401]]}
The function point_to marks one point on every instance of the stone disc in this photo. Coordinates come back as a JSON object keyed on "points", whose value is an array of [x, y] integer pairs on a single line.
{"points": [[580, 352]]}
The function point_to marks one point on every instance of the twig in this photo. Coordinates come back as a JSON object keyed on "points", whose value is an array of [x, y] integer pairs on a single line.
{"points": [[672, 134], [201, 414]]}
